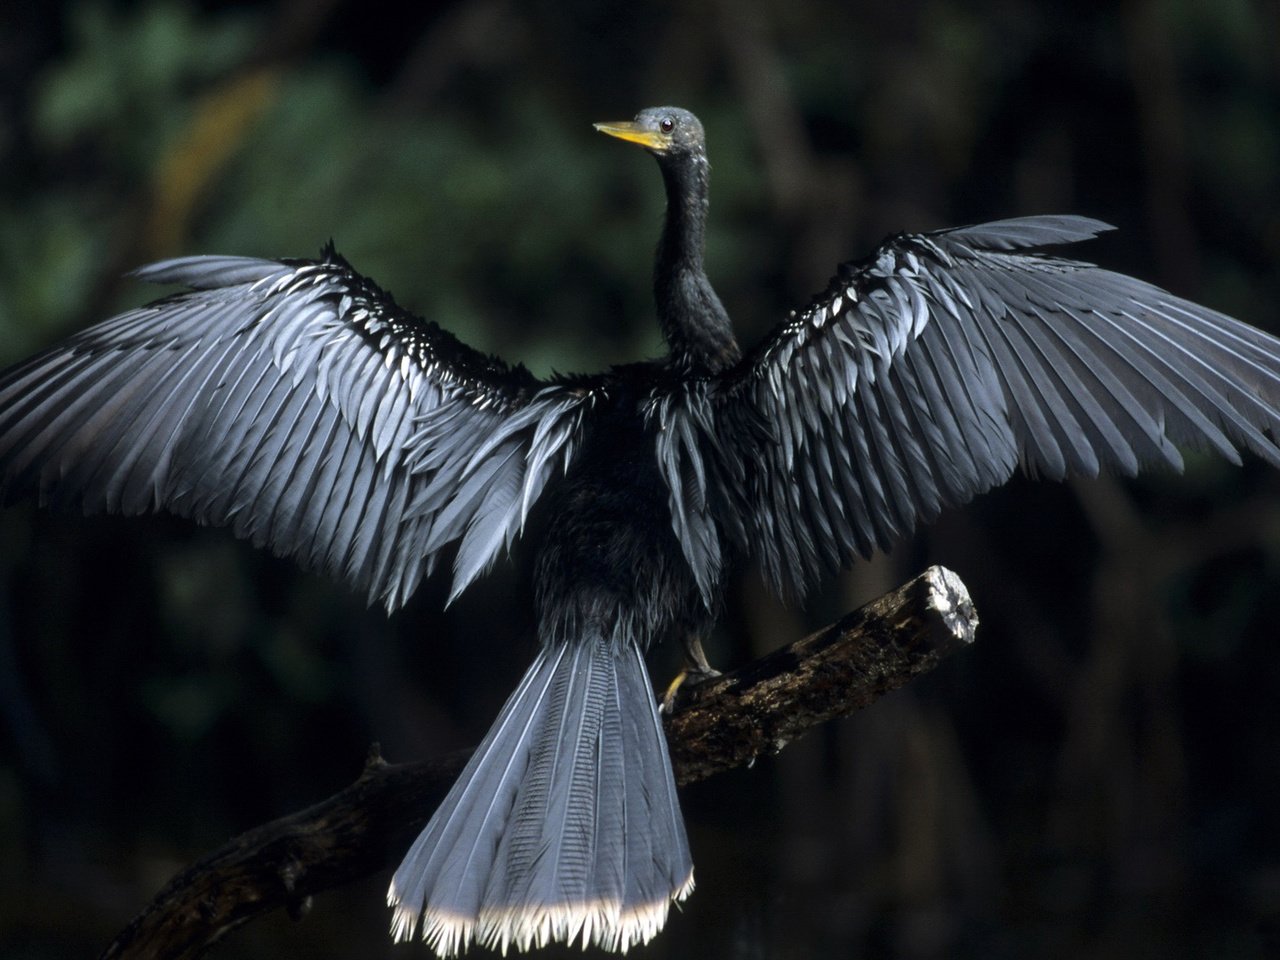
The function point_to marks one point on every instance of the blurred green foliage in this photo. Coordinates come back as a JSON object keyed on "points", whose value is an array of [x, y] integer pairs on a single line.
{"points": [[129, 83]]}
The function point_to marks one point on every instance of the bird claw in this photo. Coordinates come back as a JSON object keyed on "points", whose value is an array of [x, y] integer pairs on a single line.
{"points": [[697, 671]]}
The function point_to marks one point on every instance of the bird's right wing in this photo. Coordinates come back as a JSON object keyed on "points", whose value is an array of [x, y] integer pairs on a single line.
{"points": [[295, 403], [927, 373]]}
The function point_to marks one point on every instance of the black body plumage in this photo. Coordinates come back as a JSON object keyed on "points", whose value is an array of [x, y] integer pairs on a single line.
{"points": [[295, 403]]}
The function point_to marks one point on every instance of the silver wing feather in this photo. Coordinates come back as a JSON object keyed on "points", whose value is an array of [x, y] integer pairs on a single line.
{"points": [[929, 372], [295, 403]]}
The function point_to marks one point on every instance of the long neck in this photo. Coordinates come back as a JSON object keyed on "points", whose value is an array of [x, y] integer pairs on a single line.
{"points": [[693, 320]]}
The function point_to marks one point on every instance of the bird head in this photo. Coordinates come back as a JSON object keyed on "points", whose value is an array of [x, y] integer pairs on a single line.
{"points": [[663, 131]]}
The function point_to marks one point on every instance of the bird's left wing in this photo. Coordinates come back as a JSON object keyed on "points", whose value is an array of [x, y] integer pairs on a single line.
{"points": [[294, 402], [928, 373]]}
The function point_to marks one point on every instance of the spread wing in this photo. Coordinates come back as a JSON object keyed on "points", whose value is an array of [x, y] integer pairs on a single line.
{"points": [[928, 373], [295, 403]]}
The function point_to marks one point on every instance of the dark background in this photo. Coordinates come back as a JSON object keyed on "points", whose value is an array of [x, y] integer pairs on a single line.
{"points": [[1096, 778]]}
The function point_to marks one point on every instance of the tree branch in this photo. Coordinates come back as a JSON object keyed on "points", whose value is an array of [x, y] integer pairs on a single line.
{"points": [[722, 724]]}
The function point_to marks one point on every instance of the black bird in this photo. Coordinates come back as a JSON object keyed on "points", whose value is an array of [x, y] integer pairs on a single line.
{"points": [[294, 402]]}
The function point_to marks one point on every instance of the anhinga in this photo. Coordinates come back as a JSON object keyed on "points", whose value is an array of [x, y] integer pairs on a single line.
{"points": [[294, 402]]}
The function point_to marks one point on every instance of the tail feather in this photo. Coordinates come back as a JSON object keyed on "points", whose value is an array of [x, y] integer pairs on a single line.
{"points": [[558, 799], [565, 824], [469, 822]]}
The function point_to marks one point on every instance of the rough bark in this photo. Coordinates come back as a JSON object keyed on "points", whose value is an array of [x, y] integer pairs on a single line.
{"points": [[721, 724]]}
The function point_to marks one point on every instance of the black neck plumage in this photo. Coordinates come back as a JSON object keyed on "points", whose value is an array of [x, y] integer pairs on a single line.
{"points": [[693, 320]]}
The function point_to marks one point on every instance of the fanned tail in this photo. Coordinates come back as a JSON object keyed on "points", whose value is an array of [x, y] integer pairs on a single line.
{"points": [[565, 824]]}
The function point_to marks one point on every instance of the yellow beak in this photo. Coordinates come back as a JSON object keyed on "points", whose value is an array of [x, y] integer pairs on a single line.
{"points": [[634, 133]]}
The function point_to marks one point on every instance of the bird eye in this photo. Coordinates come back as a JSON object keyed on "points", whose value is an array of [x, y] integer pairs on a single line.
{"points": [[666, 124]]}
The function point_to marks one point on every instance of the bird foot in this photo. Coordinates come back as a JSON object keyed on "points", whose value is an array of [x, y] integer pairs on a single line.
{"points": [[697, 670]]}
